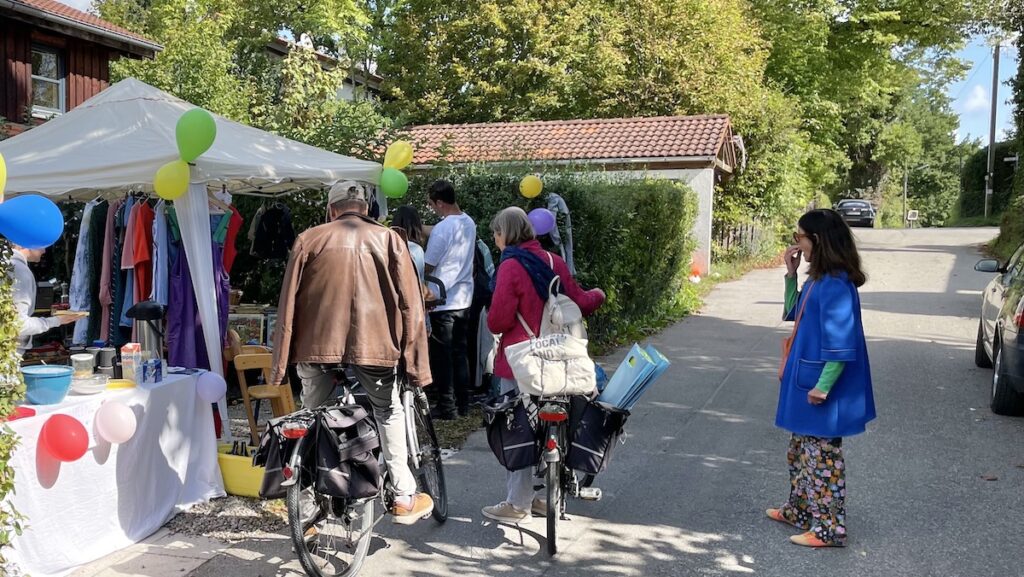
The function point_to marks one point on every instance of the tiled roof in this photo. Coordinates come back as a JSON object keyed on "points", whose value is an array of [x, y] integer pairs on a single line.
{"points": [[567, 140], [64, 11]]}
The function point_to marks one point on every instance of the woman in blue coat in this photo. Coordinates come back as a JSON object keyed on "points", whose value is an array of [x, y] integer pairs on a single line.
{"points": [[825, 391]]}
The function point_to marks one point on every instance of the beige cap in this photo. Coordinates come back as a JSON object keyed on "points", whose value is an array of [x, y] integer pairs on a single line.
{"points": [[346, 190]]}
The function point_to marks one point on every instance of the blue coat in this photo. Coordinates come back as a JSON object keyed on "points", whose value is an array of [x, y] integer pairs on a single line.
{"points": [[830, 330]]}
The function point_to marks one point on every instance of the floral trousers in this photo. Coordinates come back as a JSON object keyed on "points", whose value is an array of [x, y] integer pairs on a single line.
{"points": [[817, 493]]}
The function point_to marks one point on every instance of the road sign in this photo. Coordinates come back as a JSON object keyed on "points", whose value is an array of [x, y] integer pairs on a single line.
{"points": [[911, 215]]}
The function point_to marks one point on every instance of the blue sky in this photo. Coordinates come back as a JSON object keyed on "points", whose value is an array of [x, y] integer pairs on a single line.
{"points": [[972, 97]]}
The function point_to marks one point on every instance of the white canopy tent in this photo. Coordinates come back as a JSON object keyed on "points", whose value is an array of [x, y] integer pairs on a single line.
{"points": [[115, 142]]}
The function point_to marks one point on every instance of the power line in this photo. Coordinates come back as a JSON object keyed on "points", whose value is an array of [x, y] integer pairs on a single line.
{"points": [[977, 69]]}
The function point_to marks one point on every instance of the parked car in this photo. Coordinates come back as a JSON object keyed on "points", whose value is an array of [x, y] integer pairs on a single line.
{"points": [[856, 212], [1001, 333]]}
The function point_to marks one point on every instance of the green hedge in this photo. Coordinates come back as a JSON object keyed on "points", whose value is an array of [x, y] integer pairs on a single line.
{"points": [[632, 239]]}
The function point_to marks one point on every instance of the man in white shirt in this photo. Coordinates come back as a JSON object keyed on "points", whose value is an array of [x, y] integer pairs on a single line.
{"points": [[25, 299], [449, 257]]}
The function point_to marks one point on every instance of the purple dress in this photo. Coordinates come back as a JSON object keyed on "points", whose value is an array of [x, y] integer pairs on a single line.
{"points": [[185, 344]]}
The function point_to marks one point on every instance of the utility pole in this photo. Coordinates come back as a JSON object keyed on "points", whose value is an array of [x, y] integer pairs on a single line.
{"points": [[990, 172], [906, 172]]}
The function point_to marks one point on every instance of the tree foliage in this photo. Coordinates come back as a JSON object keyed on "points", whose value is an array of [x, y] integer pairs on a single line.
{"points": [[833, 95], [216, 56]]}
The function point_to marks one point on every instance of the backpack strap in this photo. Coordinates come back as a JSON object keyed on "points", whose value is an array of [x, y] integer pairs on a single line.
{"points": [[555, 286], [522, 321]]}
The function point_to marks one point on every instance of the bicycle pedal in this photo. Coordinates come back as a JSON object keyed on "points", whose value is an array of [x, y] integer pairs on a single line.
{"points": [[590, 494]]}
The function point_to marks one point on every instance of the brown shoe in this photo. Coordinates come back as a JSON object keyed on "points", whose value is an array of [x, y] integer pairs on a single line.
{"points": [[422, 507]]}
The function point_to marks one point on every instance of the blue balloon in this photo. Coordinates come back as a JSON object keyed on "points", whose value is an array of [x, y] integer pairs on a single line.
{"points": [[31, 221]]}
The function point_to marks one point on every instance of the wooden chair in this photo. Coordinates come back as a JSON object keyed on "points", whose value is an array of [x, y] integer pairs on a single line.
{"points": [[280, 396]]}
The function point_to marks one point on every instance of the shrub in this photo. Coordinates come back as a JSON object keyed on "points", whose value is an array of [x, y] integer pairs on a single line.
{"points": [[11, 389], [632, 238]]}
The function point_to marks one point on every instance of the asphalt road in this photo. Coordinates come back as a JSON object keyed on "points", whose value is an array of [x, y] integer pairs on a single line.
{"points": [[685, 495]]}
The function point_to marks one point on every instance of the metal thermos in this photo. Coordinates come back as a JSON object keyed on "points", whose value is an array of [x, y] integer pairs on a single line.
{"points": [[149, 327]]}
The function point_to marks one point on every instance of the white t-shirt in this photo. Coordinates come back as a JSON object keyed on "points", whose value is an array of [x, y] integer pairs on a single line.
{"points": [[450, 252]]}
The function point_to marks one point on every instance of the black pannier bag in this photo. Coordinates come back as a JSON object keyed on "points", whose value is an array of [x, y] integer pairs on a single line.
{"points": [[594, 430], [511, 432], [273, 454], [347, 449]]}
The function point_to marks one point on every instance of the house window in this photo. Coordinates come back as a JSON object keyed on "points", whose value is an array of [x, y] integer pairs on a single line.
{"points": [[47, 82]]}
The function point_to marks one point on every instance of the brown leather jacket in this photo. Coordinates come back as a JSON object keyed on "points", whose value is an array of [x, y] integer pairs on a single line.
{"points": [[351, 295]]}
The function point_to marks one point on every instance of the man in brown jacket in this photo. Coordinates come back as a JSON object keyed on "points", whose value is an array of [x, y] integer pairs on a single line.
{"points": [[351, 296]]}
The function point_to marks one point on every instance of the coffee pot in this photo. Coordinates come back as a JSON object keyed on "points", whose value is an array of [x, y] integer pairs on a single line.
{"points": [[149, 328]]}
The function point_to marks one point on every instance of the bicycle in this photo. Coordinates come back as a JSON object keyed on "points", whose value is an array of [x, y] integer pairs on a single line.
{"points": [[559, 479], [331, 536]]}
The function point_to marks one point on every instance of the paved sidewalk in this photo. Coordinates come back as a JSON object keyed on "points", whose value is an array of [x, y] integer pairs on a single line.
{"points": [[162, 554]]}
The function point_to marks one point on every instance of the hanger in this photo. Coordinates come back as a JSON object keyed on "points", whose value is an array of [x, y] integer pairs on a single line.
{"points": [[218, 203]]}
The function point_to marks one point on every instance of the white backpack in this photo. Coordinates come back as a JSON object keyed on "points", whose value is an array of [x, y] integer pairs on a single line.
{"points": [[561, 314], [556, 362]]}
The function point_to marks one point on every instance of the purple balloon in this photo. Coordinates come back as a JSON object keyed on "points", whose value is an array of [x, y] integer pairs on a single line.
{"points": [[543, 221], [211, 387]]}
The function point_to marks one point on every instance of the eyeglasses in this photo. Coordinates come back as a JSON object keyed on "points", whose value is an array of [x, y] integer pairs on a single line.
{"points": [[798, 236]]}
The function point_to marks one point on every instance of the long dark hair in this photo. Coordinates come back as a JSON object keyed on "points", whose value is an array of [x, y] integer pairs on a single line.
{"points": [[834, 248], [408, 219]]}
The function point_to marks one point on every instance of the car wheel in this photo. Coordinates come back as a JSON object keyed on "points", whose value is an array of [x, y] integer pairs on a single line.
{"points": [[980, 355], [1005, 401]]}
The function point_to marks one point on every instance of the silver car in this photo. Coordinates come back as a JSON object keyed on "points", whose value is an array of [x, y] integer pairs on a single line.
{"points": [[1000, 342]]}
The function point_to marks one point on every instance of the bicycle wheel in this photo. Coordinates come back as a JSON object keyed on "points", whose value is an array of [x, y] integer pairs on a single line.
{"points": [[430, 475], [330, 537], [554, 484]]}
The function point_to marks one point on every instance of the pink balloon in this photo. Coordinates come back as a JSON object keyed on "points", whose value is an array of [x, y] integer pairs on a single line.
{"points": [[115, 422], [543, 221], [211, 387]]}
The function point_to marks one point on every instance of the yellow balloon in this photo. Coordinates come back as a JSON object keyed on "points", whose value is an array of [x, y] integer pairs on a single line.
{"points": [[531, 186], [398, 155], [171, 181], [3, 176]]}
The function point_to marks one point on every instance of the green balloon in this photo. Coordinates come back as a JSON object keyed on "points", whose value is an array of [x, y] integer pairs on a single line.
{"points": [[393, 183], [195, 133]]}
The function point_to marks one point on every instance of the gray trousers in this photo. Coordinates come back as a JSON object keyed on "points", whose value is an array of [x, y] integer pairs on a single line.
{"points": [[385, 398], [520, 483]]}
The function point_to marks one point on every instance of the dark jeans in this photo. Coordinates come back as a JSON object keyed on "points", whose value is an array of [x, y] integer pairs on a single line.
{"points": [[448, 361]]}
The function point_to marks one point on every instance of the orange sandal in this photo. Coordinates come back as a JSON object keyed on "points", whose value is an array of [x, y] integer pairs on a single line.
{"points": [[809, 539], [776, 515]]}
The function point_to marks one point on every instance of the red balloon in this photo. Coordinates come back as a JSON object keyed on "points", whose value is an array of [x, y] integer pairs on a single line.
{"points": [[65, 438]]}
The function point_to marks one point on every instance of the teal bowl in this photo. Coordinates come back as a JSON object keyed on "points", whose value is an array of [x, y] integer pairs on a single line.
{"points": [[46, 384]]}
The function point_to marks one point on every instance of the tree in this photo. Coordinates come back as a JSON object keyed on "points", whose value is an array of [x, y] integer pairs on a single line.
{"points": [[851, 64], [197, 62], [487, 60]]}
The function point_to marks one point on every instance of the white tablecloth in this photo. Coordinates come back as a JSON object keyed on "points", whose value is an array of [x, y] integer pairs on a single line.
{"points": [[114, 495]]}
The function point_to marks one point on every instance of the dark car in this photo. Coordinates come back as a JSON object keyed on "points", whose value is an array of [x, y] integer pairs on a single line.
{"points": [[1001, 333], [856, 212]]}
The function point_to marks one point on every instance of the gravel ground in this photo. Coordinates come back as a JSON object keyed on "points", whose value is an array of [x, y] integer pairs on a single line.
{"points": [[234, 519]]}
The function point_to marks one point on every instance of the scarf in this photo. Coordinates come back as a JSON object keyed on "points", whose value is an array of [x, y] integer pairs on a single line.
{"points": [[539, 270]]}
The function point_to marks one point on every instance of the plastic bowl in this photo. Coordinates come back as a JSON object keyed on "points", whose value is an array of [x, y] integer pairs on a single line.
{"points": [[240, 476], [47, 384]]}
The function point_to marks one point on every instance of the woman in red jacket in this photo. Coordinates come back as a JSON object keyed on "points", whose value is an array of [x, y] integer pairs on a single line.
{"points": [[521, 288]]}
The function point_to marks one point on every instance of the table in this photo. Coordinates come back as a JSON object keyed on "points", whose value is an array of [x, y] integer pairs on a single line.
{"points": [[115, 495]]}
